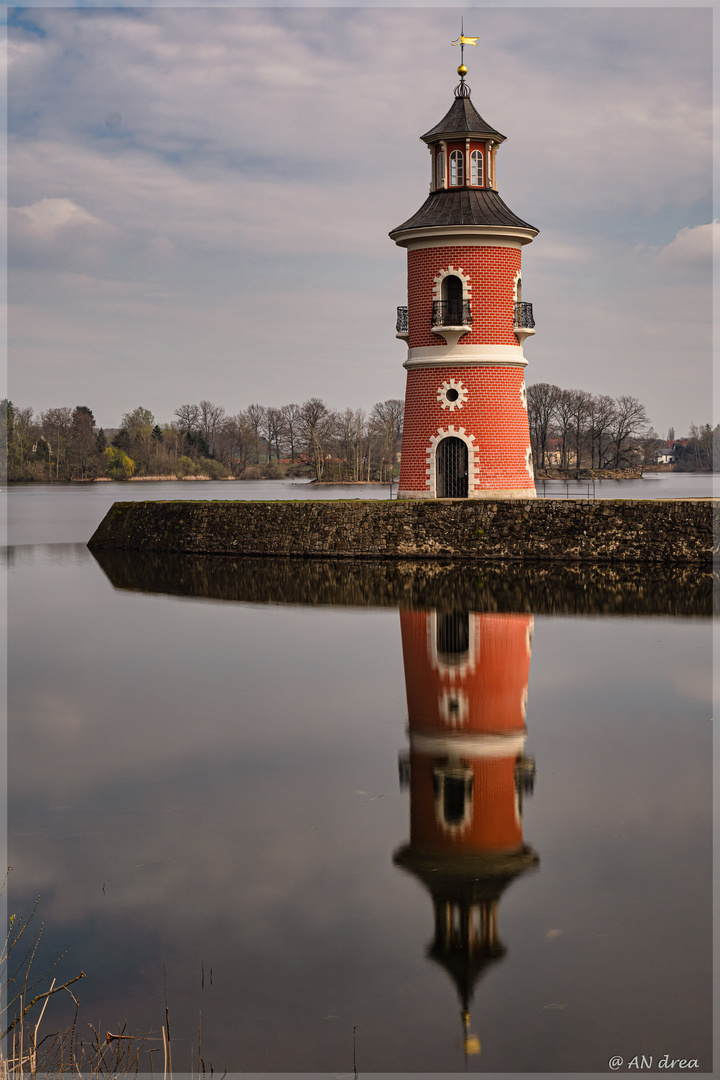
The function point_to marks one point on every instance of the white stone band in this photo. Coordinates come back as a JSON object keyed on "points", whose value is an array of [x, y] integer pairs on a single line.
{"points": [[479, 746], [463, 236], [428, 356]]}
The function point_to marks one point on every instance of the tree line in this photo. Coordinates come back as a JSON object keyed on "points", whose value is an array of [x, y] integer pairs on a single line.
{"points": [[204, 440], [573, 429], [570, 429]]}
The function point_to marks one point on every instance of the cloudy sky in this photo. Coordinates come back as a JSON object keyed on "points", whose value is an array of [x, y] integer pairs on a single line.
{"points": [[200, 198]]}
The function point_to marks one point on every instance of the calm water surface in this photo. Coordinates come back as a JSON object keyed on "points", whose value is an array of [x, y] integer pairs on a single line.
{"points": [[43, 513], [479, 838]]}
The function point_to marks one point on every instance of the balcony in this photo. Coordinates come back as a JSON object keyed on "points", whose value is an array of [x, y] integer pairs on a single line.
{"points": [[401, 326], [452, 313], [523, 321], [524, 316], [451, 319]]}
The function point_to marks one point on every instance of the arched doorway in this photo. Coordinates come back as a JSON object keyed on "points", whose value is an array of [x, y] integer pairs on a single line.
{"points": [[452, 294], [452, 469]]}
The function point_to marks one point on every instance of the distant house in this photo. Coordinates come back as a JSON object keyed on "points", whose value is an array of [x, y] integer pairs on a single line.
{"points": [[669, 450], [553, 453]]}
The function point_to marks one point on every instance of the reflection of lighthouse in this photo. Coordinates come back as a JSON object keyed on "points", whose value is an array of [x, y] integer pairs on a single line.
{"points": [[466, 677]]}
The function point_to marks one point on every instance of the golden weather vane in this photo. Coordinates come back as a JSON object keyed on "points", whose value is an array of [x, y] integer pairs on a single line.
{"points": [[462, 41]]}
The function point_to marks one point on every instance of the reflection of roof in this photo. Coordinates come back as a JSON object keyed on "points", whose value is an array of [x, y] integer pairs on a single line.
{"points": [[463, 206], [472, 878], [466, 880], [462, 119], [465, 970]]}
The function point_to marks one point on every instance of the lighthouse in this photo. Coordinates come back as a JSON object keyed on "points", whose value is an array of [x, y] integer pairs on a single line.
{"points": [[466, 432], [466, 675]]}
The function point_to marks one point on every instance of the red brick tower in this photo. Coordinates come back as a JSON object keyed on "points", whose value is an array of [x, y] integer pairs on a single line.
{"points": [[466, 431], [466, 676]]}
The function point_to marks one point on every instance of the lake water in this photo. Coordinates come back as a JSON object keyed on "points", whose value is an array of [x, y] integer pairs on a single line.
{"points": [[405, 819], [43, 513]]}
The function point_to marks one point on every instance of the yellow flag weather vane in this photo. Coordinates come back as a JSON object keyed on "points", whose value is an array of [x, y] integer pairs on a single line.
{"points": [[462, 41]]}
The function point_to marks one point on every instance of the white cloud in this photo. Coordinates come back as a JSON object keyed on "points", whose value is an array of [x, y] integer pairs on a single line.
{"points": [[45, 218], [56, 231], [692, 246]]}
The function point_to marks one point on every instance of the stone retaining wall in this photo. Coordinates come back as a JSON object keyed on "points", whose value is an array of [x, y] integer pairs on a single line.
{"points": [[648, 531]]}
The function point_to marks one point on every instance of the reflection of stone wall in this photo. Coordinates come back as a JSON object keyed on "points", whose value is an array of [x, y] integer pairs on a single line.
{"points": [[544, 588], [664, 531]]}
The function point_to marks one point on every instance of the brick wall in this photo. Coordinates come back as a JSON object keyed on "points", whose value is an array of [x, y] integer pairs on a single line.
{"points": [[493, 413], [492, 272]]}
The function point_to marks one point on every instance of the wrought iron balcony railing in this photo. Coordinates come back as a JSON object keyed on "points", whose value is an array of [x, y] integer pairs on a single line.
{"points": [[401, 326], [524, 316], [451, 313]]}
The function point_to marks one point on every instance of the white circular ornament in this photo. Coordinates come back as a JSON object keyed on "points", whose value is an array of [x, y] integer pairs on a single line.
{"points": [[452, 395]]}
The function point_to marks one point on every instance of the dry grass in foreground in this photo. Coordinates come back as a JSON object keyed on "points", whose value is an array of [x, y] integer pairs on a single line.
{"points": [[28, 1050]]}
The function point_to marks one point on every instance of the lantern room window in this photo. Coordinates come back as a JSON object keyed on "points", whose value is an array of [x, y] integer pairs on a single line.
{"points": [[440, 170], [456, 168], [476, 168]]}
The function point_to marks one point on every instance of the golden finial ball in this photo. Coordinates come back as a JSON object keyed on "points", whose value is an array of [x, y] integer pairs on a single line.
{"points": [[462, 70]]}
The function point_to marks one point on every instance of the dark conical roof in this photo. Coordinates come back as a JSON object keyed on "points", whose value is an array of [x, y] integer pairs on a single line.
{"points": [[465, 969], [463, 206], [462, 119]]}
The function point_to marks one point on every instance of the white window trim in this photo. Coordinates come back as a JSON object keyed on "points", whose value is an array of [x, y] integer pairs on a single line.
{"points": [[517, 282], [481, 159], [452, 272], [454, 767], [457, 155], [453, 672], [441, 158]]}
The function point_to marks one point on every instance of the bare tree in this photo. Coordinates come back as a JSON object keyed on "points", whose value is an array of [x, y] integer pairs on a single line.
{"points": [[210, 418], [255, 416], [629, 425], [581, 406], [564, 415], [541, 399], [236, 442], [317, 425], [291, 427], [602, 414], [273, 430], [386, 419], [702, 441], [350, 434], [188, 418]]}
